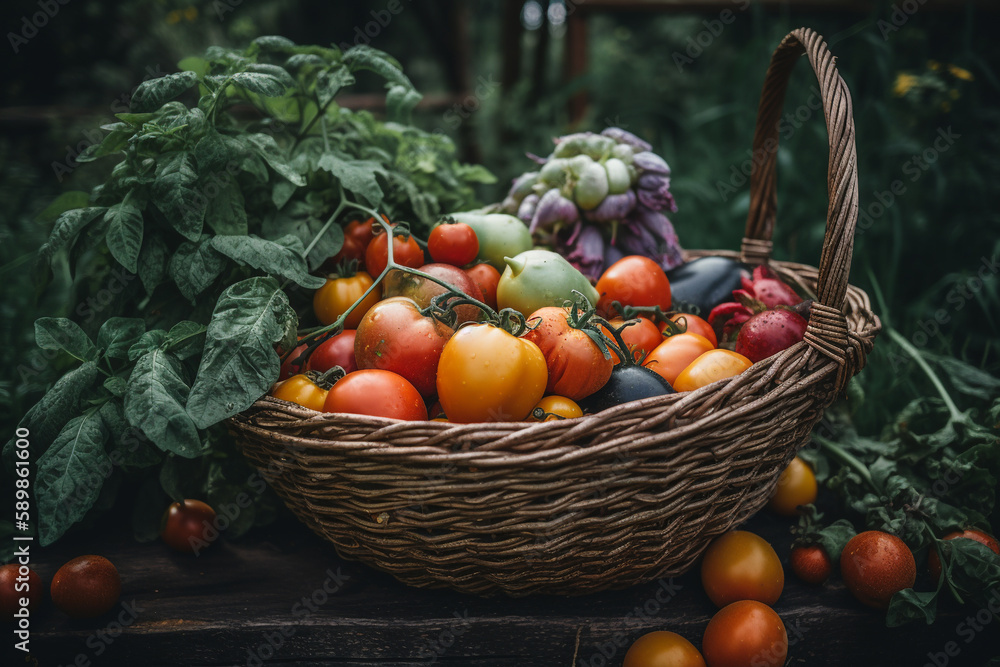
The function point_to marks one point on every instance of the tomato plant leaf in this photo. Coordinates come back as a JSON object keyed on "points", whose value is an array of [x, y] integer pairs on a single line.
{"points": [[330, 82], [268, 148], [358, 176], [249, 318], [226, 212], [155, 400], [118, 334], [113, 142], [175, 195], [148, 342], [59, 333], [363, 57], [910, 605], [280, 258], [195, 266], [116, 385], [152, 94], [66, 201], [399, 103], [262, 84], [70, 474], [124, 235], [184, 339], [67, 226]]}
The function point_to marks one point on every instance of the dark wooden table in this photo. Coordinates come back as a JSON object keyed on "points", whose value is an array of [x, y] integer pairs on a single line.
{"points": [[283, 596]]}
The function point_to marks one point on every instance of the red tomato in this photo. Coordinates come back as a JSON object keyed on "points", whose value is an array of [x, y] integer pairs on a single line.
{"points": [[189, 526], [334, 298], [740, 565], [796, 486], [488, 375], [453, 243], [334, 351], [641, 337], [577, 367], [810, 563], [357, 236], [709, 367], [302, 390], [934, 561], [745, 634], [487, 278], [86, 587], [675, 354], [663, 649], [395, 337], [377, 393], [693, 324], [288, 368], [633, 281], [876, 565], [405, 252], [423, 291], [19, 582]]}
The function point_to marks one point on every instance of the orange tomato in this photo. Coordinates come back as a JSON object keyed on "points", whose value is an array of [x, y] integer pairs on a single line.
{"points": [[641, 337], [675, 354], [302, 390], [693, 324], [334, 298], [709, 367]]}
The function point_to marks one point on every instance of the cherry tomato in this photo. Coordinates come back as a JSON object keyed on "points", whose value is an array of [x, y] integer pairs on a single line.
{"points": [[810, 563], [576, 366], [556, 407], [875, 565], [302, 390], [86, 587], [675, 354], [796, 486], [641, 337], [740, 565], [377, 393], [288, 368], [405, 252], [19, 583], [486, 374], [663, 649], [633, 281], [709, 367], [357, 236], [395, 336], [934, 561], [188, 526], [334, 351], [334, 298], [454, 244], [487, 278], [746, 633], [693, 324]]}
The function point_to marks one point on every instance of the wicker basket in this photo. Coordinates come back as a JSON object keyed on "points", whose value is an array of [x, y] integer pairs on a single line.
{"points": [[608, 500]]}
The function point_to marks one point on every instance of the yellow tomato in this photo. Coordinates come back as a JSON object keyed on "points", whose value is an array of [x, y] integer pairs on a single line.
{"points": [[334, 298], [796, 486], [709, 367], [556, 407]]}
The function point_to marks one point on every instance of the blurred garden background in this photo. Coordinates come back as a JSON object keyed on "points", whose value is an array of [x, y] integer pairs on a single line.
{"points": [[502, 77]]}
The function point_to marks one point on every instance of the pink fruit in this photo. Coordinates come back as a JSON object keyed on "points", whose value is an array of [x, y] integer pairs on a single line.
{"points": [[770, 332], [764, 291]]}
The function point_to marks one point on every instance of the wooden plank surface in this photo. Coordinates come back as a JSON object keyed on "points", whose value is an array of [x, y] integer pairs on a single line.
{"points": [[283, 596]]}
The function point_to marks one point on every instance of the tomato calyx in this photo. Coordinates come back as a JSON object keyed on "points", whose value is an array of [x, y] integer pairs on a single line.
{"points": [[625, 355], [654, 313], [583, 317]]}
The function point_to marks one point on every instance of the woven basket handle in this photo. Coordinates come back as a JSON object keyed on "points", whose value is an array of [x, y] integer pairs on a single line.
{"points": [[842, 171]]}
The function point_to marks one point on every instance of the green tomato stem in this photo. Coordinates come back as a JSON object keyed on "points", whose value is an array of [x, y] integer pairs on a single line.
{"points": [[848, 459], [925, 367]]}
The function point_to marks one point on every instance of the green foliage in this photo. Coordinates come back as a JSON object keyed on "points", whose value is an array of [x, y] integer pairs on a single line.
{"points": [[217, 216]]}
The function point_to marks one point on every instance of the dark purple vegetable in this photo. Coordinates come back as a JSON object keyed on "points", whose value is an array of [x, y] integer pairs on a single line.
{"points": [[586, 251], [653, 181], [650, 162], [624, 137], [553, 208], [660, 199], [614, 207], [627, 383], [700, 285], [526, 211]]}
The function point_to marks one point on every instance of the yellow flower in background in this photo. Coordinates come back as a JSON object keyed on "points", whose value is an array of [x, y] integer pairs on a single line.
{"points": [[904, 82], [191, 13], [173, 17], [959, 73]]}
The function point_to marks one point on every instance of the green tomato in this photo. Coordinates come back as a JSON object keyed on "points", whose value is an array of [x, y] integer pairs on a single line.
{"points": [[539, 278], [500, 235]]}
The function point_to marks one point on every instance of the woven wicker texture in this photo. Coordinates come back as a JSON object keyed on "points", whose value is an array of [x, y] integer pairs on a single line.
{"points": [[608, 500]]}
